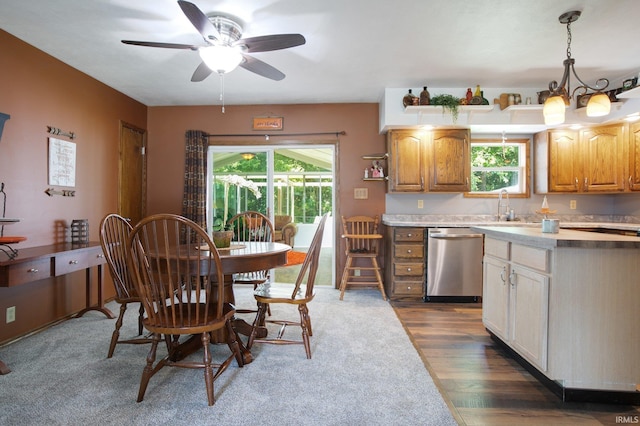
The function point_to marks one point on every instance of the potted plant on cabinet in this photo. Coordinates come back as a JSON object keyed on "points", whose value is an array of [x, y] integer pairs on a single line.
{"points": [[449, 103]]}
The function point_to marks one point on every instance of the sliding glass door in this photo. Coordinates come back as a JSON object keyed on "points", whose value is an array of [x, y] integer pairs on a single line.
{"points": [[287, 183]]}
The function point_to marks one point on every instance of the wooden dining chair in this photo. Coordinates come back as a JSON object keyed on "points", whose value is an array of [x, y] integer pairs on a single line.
{"points": [[298, 294], [114, 231], [179, 278], [251, 226], [362, 239]]}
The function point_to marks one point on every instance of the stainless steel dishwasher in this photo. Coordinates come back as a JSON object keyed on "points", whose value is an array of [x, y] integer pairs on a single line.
{"points": [[454, 265]]}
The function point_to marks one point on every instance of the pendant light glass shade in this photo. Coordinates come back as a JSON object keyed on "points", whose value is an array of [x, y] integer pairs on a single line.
{"points": [[553, 110], [221, 59], [599, 105]]}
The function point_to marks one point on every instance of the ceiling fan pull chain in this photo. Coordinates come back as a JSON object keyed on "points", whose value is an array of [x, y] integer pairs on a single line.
{"points": [[222, 90]]}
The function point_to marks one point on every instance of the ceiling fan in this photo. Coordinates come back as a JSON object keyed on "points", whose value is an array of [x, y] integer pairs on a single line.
{"points": [[225, 49]]}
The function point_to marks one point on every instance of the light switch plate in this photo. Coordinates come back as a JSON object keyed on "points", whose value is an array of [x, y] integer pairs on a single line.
{"points": [[361, 193]]}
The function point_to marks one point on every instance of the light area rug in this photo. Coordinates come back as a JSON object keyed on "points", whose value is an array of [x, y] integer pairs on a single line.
{"points": [[364, 371]]}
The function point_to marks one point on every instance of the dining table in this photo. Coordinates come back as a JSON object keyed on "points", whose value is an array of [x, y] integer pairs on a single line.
{"points": [[240, 257]]}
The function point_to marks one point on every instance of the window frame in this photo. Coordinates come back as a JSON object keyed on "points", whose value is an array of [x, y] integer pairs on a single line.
{"points": [[526, 142]]}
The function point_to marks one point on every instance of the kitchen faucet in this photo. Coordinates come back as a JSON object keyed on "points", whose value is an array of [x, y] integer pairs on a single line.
{"points": [[501, 206]]}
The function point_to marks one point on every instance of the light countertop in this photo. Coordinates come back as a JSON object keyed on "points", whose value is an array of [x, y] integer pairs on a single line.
{"points": [[564, 238]]}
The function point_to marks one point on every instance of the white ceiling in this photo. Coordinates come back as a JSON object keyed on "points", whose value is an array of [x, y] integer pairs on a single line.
{"points": [[354, 49]]}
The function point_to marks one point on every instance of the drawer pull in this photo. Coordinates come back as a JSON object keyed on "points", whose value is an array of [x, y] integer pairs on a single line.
{"points": [[409, 251], [408, 287], [408, 269], [409, 235], [100, 256], [33, 270], [73, 262]]}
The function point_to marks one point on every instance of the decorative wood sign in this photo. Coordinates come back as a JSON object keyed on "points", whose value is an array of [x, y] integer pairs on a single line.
{"points": [[62, 163], [268, 123]]}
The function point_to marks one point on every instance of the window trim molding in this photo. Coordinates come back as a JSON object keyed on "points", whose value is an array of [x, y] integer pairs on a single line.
{"points": [[527, 171]]}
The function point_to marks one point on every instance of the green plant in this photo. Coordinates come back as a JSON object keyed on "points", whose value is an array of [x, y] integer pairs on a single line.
{"points": [[449, 103], [219, 225]]}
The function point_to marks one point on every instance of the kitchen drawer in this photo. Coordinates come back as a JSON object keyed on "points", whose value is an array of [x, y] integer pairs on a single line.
{"points": [[70, 262], [95, 257], [25, 272], [408, 234], [406, 269], [412, 251], [496, 248], [408, 288], [531, 257]]}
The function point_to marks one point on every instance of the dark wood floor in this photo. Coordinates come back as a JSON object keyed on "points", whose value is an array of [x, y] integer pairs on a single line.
{"points": [[481, 383]]}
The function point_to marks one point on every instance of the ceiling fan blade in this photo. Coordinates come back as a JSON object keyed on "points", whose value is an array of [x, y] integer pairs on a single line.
{"points": [[271, 42], [157, 44], [202, 72], [200, 21], [261, 68]]}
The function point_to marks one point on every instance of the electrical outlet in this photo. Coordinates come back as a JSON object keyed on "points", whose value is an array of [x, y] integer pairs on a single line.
{"points": [[11, 314], [572, 204], [356, 272], [420, 204]]}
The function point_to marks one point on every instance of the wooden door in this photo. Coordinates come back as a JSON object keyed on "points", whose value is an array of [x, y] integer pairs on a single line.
{"points": [[565, 171], [603, 157], [132, 173], [634, 157], [450, 161], [406, 162]]}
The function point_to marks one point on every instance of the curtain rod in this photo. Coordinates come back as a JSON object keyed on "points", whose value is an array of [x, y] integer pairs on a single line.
{"points": [[267, 136]]}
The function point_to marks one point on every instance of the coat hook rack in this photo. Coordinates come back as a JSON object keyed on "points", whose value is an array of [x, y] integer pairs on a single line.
{"points": [[65, 192], [59, 132]]}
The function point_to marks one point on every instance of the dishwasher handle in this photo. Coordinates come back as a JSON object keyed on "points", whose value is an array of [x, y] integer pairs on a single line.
{"points": [[442, 236]]}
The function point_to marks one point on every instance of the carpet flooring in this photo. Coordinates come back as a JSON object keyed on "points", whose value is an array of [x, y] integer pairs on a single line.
{"points": [[364, 371]]}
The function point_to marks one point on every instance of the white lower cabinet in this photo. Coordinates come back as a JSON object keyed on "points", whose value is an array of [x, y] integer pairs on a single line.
{"points": [[516, 298]]}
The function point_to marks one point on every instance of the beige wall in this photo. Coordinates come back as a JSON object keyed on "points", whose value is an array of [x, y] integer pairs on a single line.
{"points": [[37, 91]]}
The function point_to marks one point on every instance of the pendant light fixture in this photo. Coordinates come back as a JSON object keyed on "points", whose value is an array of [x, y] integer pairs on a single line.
{"points": [[561, 94]]}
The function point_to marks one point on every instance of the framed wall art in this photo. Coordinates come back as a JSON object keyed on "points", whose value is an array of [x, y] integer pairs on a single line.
{"points": [[62, 163]]}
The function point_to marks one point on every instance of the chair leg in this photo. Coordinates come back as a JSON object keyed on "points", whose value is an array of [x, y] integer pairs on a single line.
{"points": [[140, 318], [305, 324], [208, 368], [232, 342], [116, 333], [345, 276], [259, 319], [379, 278], [148, 369]]}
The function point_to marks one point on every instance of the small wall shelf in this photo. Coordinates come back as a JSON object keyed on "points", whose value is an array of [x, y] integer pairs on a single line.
{"points": [[439, 109], [383, 156]]}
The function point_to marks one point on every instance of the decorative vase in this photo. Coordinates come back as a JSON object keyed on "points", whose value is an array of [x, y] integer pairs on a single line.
{"points": [[222, 239]]}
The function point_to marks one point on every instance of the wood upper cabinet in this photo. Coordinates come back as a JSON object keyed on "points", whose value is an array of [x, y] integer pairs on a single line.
{"points": [[634, 157], [590, 160], [406, 160], [421, 161], [450, 158], [564, 161], [603, 159]]}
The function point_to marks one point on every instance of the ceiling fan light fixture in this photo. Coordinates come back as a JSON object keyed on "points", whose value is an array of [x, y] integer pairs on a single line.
{"points": [[221, 59], [599, 105], [554, 110]]}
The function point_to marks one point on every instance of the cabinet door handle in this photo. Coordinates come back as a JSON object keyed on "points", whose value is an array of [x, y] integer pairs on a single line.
{"points": [[504, 269], [586, 183], [421, 182], [511, 278], [32, 270], [73, 262], [576, 183]]}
